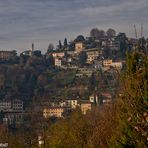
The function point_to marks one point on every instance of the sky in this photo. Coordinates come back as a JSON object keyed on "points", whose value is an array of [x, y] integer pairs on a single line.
{"points": [[23, 22]]}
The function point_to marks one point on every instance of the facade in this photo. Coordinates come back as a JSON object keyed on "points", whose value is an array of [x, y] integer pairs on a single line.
{"points": [[6, 55], [117, 65], [92, 56], [15, 105], [5, 106], [84, 72], [107, 63], [53, 112], [72, 103], [58, 62], [85, 107], [94, 99], [110, 63], [79, 46], [58, 54], [13, 117], [107, 98]]}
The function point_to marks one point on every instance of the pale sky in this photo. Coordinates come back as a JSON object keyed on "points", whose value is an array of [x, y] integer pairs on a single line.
{"points": [[23, 22]]}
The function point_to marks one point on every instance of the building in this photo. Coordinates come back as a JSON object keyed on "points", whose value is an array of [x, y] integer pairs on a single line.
{"points": [[5, 106], [79, 46], [94, 99], [84, 72], [58, 54], [110, 63], [13, 111], [15, 105], [13, 117], [117, 65], [107, 62], [72, 103], [54, 112], [106, 98], [6, 55], [58, 62], [92, 55], [85, 107]]}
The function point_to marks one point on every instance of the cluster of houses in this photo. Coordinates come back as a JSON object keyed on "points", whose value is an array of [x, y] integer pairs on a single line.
{"points": [[12, 111], [68, 57], [61, 109]]}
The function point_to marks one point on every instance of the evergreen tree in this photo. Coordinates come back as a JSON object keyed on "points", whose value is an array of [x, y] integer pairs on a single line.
{"points": [[60, 45], [65, 43]]}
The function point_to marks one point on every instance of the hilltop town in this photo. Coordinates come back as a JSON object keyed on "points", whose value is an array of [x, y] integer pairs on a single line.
{"points": [[79, 75]]}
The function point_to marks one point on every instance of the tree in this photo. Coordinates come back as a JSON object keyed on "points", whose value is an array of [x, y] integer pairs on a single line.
{"points": [[123, 40], [96, 33], [50, 48], [82, 58], [37, 53], [60, 45], [80, 38], [50, 60], [65, 43], [111, 32], [133, 102]]}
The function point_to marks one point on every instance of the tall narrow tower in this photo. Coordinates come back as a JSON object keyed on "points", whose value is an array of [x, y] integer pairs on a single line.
{"points": [[32, 49]]}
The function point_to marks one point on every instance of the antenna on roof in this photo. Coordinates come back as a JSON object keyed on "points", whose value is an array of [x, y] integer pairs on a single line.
{"points": [[141, 30]]}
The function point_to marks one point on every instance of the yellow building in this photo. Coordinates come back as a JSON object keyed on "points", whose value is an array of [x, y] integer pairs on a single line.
{"points": [[53, 112], [85, 107], [79, 46]]}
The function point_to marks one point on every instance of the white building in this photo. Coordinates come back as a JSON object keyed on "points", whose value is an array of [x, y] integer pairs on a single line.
{"points": [[58, 62], [5, 106], [94, 99], [15, 105]]}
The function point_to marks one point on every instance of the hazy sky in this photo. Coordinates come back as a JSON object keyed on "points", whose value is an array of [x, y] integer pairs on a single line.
{"points": [[47, 21]]}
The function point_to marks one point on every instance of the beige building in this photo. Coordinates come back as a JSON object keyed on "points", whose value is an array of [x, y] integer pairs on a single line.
{"points": [[92, 56], [58, 62], [53, 112], [107, 63], [85, 107], [6, 55], [79, 46], [110, 63]]}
